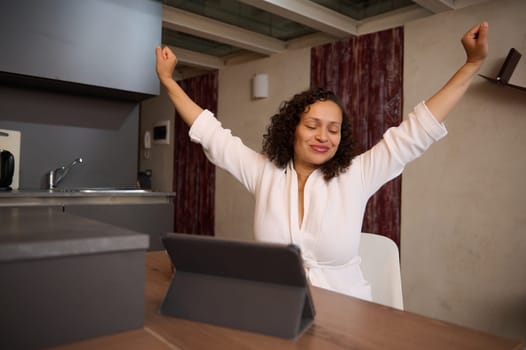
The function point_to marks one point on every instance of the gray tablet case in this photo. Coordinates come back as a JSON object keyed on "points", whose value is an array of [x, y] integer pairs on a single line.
{"points": [[258, 287]]}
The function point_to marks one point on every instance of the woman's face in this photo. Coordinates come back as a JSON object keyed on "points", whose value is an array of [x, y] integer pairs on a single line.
{"points": [[317, 134]]}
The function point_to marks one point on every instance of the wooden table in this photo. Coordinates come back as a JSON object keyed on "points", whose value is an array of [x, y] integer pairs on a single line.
{"points": [[341, 323]]}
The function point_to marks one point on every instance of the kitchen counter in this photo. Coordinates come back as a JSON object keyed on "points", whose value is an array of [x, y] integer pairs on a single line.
{"points": [[97, 196], [30, 233], [67, 278], [142, 211]]}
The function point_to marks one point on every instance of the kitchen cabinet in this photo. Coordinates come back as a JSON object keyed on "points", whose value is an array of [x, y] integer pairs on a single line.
{"points": [[94, 47]]}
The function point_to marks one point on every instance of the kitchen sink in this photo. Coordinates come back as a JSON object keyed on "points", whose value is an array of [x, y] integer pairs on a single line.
{"points": [[110, 190], [102, 190]]}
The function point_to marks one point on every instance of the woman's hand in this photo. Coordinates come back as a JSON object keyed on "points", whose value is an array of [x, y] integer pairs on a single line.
{"points": [[165, 63], [475, 43]]}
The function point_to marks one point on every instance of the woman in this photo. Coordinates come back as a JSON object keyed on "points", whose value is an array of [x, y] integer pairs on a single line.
{"points": [[308, 189]]}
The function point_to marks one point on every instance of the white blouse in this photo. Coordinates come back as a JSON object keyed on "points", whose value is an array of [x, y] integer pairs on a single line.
{"points": [[329, 235]]}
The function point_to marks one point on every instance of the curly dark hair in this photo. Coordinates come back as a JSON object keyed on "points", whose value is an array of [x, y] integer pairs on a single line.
{"points": [[278, 142]]}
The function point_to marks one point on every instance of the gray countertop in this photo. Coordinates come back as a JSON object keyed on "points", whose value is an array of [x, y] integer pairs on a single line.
{"points": [[98, 192], [62, 197], [30, 233]]}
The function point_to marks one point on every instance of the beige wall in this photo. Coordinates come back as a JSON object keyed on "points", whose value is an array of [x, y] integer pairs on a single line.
{"points": [[464, 202], [288, 73]]}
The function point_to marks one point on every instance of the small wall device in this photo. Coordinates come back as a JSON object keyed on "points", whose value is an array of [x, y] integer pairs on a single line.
{"points": [[161, 132], [147, 140]]}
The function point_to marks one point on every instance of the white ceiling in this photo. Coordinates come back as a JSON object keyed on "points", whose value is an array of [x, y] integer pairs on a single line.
{"points": [[328, 25]]}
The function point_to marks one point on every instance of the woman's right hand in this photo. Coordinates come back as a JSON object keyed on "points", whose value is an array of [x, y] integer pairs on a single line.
{"points": [[475, 43], [165, 63]]}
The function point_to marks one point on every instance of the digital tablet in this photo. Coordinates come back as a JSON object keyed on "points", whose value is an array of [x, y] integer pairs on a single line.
{"points": [[254, 286]]}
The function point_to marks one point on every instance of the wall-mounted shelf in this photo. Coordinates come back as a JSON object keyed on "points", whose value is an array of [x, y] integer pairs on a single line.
{"points": [[507, 70], [498, 82]]}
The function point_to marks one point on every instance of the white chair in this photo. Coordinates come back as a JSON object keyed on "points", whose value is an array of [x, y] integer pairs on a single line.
{"points": [[381, 268]]}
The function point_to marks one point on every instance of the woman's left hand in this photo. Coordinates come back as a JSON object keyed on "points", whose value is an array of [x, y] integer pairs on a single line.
{"points": [[476, 44], [165, 63]]}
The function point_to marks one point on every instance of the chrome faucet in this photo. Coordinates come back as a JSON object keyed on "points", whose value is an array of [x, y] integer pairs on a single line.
{"points": [[57, 175]]}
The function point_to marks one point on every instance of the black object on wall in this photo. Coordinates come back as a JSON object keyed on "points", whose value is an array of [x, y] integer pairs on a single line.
{"points": [[506, 70], [96, 47]]}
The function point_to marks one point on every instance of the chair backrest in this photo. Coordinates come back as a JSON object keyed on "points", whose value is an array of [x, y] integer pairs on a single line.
{"points": [[381, 268]]}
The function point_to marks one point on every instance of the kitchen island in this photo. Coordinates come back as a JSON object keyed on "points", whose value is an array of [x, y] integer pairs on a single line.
{"points": [[138, 210], [67, 278]]}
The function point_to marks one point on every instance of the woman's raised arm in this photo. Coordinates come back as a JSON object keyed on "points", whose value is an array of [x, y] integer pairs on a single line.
{"points": [[476, 46], [165, 65]]}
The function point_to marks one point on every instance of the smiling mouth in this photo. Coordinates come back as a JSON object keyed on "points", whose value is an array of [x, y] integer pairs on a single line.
{"points": [[320, 149]]}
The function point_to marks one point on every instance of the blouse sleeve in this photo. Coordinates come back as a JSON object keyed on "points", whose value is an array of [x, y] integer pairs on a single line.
{"points": [[226, 151], [399, 146]]}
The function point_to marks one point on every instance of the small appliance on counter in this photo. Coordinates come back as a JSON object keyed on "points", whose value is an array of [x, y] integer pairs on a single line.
{"points": [[9, 159], [7, 168]]}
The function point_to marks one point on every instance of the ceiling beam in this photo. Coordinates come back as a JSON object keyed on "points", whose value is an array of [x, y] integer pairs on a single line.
{"points": [[436, 6], [466, 3], [392, 19], [197, 59], [211, 29], [309, 14], [311, 40]]}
